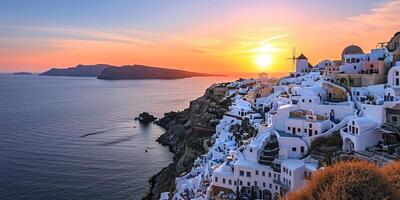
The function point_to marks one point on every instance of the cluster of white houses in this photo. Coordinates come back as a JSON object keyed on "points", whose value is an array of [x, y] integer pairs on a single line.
{"points": [[357, 97]]}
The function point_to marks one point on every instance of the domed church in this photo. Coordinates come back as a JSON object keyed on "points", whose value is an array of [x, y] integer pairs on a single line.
{"points": [[352, 49]]}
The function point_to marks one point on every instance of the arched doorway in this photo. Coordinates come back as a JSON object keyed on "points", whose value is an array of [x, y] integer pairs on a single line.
{"points": [[266, 195], [348, 145]]}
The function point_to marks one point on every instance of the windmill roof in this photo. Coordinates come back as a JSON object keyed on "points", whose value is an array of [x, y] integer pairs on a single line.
{"points": [[302, 57]]}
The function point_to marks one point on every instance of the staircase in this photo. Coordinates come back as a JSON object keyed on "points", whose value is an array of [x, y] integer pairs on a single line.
{"points": [[270, 152]]}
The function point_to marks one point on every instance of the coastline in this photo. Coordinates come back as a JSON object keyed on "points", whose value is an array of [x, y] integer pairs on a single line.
{"points": [[188, 134]]}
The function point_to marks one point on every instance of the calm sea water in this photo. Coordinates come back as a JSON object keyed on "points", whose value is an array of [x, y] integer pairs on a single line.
{"points": [[75, 138]]}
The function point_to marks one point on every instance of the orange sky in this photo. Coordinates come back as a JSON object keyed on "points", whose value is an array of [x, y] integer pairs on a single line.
{"points": [[226, 44]]}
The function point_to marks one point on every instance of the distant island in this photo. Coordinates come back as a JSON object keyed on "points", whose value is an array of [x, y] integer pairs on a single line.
{"points": [[22, 73], [146, 72], [110, 72], [78, 71]]}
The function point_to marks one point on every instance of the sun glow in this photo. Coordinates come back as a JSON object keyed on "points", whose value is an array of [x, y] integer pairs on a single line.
{"points": [[263, 60]]}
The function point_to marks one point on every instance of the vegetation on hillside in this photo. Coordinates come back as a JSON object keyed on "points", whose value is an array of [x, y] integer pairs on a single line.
{"points": [[352, 179]]}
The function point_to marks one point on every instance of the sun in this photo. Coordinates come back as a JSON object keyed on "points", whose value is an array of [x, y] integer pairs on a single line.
{"points": [[263, 60]]}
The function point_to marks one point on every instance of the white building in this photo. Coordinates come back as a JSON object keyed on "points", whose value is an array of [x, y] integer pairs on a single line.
{"points": [[353, 63], [359, 134], [262, 168]]}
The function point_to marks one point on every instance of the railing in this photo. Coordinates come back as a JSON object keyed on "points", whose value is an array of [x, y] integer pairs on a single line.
{"points": [[276, 181]]}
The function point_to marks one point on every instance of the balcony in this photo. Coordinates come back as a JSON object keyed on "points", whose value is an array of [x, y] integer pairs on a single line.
{"points": [[276, 181], [393, 111]]}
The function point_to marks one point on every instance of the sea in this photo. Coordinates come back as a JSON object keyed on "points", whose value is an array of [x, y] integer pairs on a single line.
{"points": [[76, 137]]}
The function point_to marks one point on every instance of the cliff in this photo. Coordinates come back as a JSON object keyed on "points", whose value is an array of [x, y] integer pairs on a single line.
{"points": [[187, 133], [145, 72], [78, 71]]}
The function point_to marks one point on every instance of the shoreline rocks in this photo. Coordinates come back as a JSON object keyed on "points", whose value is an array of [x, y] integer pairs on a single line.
{"points": [[145, 118], [185, 133]]}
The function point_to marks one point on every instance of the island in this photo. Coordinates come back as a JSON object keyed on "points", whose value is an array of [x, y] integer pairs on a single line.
{"points": [[78, 71], [22, 73], [146, 72]]}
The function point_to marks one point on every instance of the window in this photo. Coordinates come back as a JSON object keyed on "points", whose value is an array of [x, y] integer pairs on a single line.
{"points": [[264, 185], [240, 183], [302, 100], [274, 175], [251, 150], [310, 125], [293, 148], [394, 118], [298, 130], [216, 179], [309, 100], [256, 172], [316, 132], [248, 184], [290, 173], [355, 67], [223, 181], [248, 174], [276, 187], [270, 186], [255, 183], [230, 182], [310, 132], [269, 174], [288, 128], [241, 173], [305, 130], [302, 149], [263, 173], [234, 183]]}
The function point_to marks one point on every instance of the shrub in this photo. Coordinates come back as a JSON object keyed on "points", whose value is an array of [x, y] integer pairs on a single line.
{"points": [[353, 179], [392, 171]]}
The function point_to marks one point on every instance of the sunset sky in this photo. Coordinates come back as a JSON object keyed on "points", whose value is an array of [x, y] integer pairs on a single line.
{"points": [[215, 36]]}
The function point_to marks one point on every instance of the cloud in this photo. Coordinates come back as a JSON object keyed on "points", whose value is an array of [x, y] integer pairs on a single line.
{"points": [[73, 33], [384, 16]]}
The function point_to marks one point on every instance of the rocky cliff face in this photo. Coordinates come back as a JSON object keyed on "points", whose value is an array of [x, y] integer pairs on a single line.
{"points": [[187, 133]]}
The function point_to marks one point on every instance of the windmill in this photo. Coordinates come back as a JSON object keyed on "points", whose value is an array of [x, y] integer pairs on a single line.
{"points": [[293, 58]]}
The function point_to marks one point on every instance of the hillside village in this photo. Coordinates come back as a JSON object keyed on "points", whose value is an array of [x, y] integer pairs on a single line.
{"points": [[278, 132]]}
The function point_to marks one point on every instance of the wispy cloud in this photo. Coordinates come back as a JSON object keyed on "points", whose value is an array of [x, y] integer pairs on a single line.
{"points": [[73, 33], [385, 16]]}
